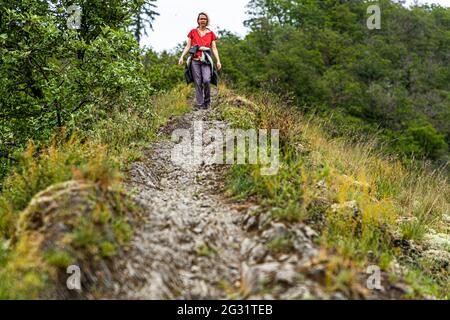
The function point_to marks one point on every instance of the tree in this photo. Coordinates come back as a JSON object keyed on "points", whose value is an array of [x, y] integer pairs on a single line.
{"points": [[52, 76], [144, 15], [323, 53]]}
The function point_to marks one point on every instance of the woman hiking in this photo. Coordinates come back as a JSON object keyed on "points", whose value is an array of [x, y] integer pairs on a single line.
{"points": [[200, 41]]}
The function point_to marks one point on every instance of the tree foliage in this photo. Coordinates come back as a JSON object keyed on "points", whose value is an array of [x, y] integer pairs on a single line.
{"points": [[395, 79], [52, 76], [145, 15]]}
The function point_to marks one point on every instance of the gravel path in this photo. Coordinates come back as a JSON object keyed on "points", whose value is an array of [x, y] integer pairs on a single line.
{"points": [[195, 244], [189, 245]]}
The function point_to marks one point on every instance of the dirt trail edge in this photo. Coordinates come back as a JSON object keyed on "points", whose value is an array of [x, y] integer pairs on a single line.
{"points": [[194, 243]]}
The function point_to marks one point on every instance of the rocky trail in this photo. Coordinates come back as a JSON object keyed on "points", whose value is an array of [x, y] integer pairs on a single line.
{"points": [[195, 243]]}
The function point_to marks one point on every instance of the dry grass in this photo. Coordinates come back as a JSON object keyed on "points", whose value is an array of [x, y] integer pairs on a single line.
{"points": [[97, 158], [361, 200]]}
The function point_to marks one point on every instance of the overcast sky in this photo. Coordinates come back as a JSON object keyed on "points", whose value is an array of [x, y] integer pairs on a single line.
{"points": [[178, 17]]}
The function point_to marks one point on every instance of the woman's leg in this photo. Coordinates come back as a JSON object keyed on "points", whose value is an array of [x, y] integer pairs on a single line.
{"points": [[206, 76], [197, 74]]}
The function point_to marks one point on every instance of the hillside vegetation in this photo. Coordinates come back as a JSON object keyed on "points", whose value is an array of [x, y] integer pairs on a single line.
{"points": [[364, 120], [367, 206], [322, 56]]}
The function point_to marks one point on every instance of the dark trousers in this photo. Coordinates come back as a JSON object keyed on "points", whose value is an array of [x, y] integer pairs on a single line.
{"points": [[202, 79]]}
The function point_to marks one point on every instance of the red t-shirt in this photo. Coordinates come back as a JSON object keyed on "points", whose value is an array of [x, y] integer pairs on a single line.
{"points": [[204, 41]]}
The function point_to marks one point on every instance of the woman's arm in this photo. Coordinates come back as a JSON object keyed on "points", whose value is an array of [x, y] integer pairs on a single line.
{"points": [[185, 51], [216, 54]]}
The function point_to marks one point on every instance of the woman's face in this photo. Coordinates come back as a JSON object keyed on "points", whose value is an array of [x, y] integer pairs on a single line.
{"points": [[202, 21]]}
